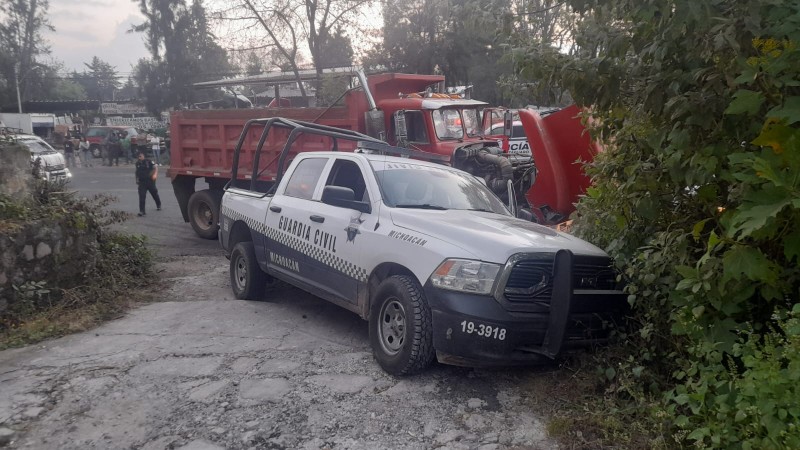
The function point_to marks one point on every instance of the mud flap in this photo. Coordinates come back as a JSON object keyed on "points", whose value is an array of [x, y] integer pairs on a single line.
{"points": [[560, 304]]}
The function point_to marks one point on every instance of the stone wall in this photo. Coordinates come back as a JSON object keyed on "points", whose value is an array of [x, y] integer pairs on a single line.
{"points": [[57, 251], [44, 251], [15, 171]]}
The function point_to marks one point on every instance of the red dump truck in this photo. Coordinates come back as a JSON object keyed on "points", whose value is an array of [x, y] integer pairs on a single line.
{"points": [[405, 110]]}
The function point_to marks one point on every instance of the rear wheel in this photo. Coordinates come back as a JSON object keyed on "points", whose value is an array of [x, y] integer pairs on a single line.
{"points": [[400, 330], [95, 149], [204, 213], [247, 278]]}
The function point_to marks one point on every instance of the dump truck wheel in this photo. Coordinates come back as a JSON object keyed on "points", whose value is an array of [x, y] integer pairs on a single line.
{"points": [[204, 213]]}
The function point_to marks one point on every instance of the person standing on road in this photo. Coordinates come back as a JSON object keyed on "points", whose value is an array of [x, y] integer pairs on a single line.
{"points": [[69, 152], [146, 175], [114, 149], [156, 145], [125, 142], [85, 152]]}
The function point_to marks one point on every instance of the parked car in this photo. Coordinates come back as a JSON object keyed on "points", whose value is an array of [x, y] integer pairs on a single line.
{"points": [[96, 135], [53, 166]]}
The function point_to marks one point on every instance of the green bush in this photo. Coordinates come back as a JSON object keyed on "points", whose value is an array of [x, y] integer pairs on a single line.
{"points": [[44, 308], [697, 197]]}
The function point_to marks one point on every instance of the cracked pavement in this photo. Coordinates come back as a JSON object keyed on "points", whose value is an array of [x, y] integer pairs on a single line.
{"points": [[198, 369]]}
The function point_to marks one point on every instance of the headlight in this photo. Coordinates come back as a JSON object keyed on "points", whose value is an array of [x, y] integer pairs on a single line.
{"points": [[465, 275]]}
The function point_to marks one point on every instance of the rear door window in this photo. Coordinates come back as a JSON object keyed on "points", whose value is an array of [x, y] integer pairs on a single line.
{"points": [[305, 177]]}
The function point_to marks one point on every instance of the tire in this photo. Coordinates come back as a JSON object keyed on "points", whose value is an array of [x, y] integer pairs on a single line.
{"points": [[95, 149], [247, 278], [204, 213], [400, 329]]}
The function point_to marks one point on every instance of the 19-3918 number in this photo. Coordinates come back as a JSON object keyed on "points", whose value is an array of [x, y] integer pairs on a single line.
{"points": [[480, 329]]}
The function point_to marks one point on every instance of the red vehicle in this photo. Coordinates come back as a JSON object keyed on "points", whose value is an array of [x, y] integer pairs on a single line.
{"points": [[96, 136], [401, 109]]}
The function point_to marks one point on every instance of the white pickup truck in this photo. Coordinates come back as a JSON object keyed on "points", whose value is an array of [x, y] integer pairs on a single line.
{"points": [[427, 253], [52, 165]]}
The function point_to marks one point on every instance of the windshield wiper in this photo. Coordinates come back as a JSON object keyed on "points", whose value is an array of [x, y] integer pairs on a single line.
{"points": [[422, 206], [482, 210]]}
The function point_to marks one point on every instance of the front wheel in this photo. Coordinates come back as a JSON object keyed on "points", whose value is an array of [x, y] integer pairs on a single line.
{"points": [[247, 278], [400, 330]]}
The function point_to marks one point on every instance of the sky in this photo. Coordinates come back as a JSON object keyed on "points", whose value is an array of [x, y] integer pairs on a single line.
{"points": [[87, 28]]}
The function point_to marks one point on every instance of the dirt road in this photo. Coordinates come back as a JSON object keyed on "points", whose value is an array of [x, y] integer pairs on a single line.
{"points": [[200, 370]]}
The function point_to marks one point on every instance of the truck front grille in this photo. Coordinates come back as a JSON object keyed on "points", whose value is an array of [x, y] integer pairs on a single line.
{"points": [[531, 280]]}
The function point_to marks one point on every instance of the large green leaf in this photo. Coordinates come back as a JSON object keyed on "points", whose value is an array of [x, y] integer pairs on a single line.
{"points": [[745, 102], [791, 245], [750, 262], [788, 111], [774, 135], [761, 206]]}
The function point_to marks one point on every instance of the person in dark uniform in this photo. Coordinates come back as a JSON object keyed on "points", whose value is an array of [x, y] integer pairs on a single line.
{"points": [[114, 148], [146, 174], [69, 151]]}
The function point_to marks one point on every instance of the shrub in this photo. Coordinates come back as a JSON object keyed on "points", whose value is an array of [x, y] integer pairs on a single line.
{"points": [[697, 197]]}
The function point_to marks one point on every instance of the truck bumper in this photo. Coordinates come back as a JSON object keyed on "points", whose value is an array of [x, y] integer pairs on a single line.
{"points": [[475, 330]]}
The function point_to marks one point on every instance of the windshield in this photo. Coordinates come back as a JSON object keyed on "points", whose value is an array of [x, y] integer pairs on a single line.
{"points": [[471, 122], [448, 123], [37, 147], [408, 185]]}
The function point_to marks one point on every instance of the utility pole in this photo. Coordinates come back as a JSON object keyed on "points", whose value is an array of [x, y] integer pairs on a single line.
{"points": [[16, 83]]}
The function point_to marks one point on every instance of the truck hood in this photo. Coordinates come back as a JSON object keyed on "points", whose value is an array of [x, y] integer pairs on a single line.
{"points": [[489, 237], [50, 160]]}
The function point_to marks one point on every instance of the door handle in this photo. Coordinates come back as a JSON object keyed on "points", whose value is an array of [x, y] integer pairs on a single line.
{"points": [[276, 209], [318, 219]]}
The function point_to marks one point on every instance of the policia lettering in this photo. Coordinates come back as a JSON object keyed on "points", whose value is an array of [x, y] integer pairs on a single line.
{"points": [[302, 230]]}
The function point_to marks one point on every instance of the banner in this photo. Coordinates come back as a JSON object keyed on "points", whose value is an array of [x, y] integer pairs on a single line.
{"points": [[144, 123], [122, 108]]}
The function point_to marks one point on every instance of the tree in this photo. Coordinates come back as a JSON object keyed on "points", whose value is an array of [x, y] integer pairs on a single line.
{"points": [[254, 65], [128, 90], [21, 42], [67, 90], [458, 38], [336, 51], [322, 17], [279, 20], [183, 52], [99, 80], [287, 23], [697, 198]]}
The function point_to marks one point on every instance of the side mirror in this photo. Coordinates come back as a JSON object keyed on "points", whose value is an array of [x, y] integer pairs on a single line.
{"points": [[376, 125], [344, 198], [508, 123], [400, 128]]}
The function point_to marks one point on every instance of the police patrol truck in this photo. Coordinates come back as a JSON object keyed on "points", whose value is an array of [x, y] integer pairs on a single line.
{"points": [[430, 256]]}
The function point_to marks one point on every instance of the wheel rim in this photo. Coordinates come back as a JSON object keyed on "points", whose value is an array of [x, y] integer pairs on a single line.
{"points": [[392, 326], [240, 274], [204, 217]]}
